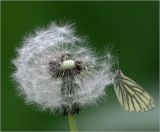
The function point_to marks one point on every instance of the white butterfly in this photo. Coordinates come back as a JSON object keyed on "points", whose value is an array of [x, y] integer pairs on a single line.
{"points": [[131, 95]]}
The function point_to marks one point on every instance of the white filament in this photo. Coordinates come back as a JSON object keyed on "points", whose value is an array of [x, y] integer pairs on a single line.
{"points": [[32, 75]]}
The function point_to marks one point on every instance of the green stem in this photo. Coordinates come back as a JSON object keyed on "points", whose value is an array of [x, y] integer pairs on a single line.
{"points": [[72, 123]]}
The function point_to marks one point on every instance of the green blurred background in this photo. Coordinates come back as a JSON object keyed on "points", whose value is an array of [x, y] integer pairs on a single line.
{"points": [[132, 27]]}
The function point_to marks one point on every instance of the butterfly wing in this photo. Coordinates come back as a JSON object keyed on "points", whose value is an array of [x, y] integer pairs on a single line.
{"points": [[131, 95]]}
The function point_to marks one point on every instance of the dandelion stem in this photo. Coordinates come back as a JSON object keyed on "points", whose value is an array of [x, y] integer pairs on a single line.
{"points": [[72, 123]]}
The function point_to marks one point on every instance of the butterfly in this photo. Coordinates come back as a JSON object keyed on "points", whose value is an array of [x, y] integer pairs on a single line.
{"points": [[131, 95]]}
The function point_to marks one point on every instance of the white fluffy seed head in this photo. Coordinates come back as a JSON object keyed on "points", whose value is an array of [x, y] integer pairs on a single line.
{"points": [[44, 53]]}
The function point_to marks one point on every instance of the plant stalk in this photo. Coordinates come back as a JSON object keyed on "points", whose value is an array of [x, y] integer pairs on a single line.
{"points": [[72, 123]]}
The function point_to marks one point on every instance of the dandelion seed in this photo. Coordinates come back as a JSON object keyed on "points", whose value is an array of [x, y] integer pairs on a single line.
{"points": [[56, 70]]}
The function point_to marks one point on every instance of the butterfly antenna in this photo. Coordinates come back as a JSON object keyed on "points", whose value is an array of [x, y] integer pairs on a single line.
{"points": [[117, 61], [118, 64]]}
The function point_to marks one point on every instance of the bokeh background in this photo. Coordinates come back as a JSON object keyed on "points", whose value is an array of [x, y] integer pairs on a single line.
{"points": [[132, 27]]}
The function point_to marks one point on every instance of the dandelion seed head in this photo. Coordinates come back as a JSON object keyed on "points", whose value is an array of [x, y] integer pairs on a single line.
{"points": [[56, 69]]}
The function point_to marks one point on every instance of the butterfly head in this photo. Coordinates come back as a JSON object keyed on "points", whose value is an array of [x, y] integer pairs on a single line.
{"points": [[117, 76]]}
